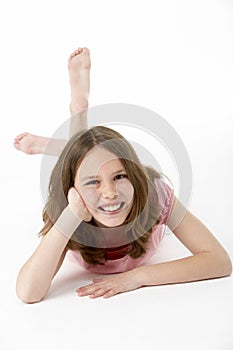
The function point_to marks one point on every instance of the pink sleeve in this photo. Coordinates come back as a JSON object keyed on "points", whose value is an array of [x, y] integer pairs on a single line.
{"points": [[165, 200]]}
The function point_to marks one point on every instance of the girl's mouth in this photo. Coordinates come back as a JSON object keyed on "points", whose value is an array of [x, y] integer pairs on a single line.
{"points": [[112, 209]]}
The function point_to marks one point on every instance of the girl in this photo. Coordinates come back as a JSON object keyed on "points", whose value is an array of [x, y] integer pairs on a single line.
{"points": [[108, 212]]}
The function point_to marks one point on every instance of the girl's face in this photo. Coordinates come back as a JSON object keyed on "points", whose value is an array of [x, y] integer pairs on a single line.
{"points": [[102, 182]]}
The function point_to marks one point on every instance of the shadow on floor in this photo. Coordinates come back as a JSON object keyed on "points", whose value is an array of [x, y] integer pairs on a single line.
{"points": [[68, 281]]}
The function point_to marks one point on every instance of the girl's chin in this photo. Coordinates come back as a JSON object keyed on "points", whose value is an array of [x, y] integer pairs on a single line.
{"points": [[109, 223]]}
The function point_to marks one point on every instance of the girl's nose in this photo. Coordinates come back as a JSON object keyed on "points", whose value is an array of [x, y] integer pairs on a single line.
{"points": [[109, 191]]}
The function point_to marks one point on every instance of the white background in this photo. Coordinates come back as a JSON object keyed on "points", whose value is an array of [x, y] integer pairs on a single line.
{"points": [[173, 57]]}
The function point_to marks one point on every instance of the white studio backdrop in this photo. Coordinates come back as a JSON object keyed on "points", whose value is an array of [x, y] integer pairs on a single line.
{"points": [[173, 57]]}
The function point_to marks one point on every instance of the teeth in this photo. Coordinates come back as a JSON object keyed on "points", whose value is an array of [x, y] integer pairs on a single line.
{"points": [[111, 208]]}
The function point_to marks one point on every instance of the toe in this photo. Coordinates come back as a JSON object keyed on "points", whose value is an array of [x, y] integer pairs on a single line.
{"points": [[17, 145], [72, 55], [78, 51], [20, 136], [86, 50]]}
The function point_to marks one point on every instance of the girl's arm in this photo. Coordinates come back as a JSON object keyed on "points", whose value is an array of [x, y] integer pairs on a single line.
{"points": [[36, 275], [209, 259]]}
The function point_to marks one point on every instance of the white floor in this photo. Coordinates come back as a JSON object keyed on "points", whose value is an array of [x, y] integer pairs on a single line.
{"points": [[185, 316]]}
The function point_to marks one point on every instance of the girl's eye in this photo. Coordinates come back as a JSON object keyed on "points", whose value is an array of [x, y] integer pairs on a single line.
{"points": [[92, 182], [117, 177], [120, 176]]}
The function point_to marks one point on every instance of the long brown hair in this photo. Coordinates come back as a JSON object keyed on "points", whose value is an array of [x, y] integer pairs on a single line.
{"points": [[144, 213]]}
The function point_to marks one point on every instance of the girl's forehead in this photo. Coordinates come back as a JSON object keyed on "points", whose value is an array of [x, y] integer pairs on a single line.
{"points": [[98, 159]]}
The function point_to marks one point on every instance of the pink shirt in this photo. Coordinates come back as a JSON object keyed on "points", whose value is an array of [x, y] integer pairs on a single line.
{"points": [[165, 202]]}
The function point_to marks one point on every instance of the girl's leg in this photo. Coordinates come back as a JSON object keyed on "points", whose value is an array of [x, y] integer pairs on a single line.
{"points": [[79, 65], [34, 144]]}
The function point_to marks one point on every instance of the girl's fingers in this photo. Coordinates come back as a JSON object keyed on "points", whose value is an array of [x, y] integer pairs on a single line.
{"points": [[87, 290], [109, 294], [98, 293], [95, 289], [88, 217]]}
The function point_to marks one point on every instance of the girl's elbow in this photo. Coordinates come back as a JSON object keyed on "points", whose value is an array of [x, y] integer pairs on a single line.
{"points": [[226, 265], [29, 300], [27, 296]]}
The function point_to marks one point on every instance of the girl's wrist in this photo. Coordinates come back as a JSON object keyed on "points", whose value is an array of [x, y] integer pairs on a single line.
{"points": [[67, 222]]}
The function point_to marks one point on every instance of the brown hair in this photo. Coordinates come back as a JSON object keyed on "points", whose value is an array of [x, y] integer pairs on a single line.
{"points": [[144, 213]]}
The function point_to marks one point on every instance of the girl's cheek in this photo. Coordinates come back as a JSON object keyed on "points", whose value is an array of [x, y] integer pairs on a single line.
{"points": [[125, 188]]}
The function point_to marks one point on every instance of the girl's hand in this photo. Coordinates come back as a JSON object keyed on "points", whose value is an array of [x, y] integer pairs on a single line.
{"points": [[77, 205], [109, 286]]}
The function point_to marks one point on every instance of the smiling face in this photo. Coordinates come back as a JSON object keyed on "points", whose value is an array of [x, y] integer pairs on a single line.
{"points": [[102, 181]]}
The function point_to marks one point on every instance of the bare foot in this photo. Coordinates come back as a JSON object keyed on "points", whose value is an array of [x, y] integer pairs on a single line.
{"points": [[79, 65], [30, 144]]}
